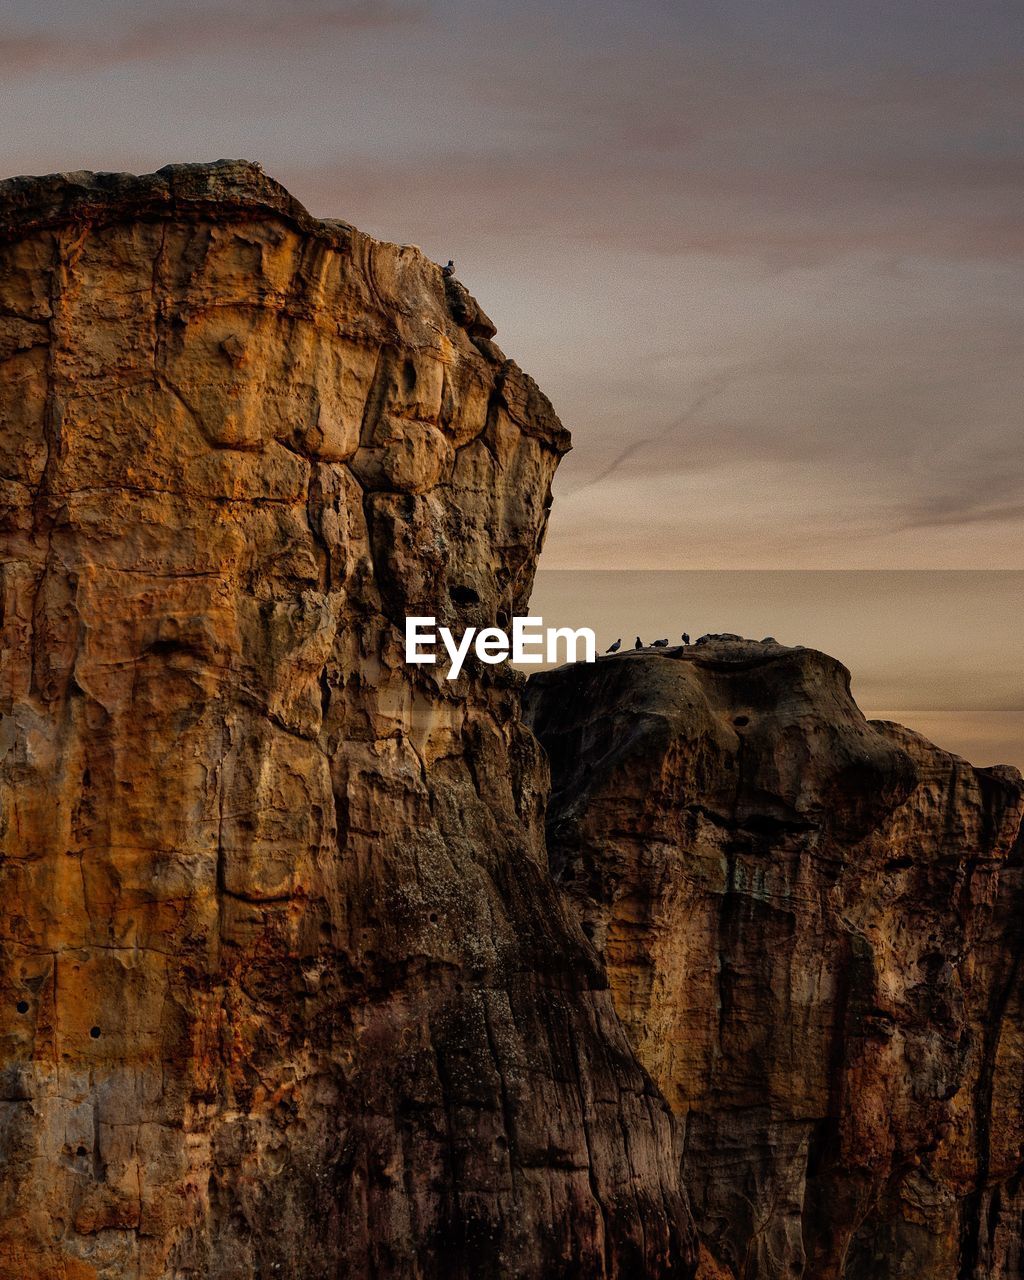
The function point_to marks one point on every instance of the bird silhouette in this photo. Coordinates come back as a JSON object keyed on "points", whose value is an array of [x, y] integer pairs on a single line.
{"points": [[614, 648], [639, 643], [685, 638], [660, 644], [448, 269]]}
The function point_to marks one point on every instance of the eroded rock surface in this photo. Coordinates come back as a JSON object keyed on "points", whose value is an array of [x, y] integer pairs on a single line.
{"points": [[287, 989], [813, 928]]}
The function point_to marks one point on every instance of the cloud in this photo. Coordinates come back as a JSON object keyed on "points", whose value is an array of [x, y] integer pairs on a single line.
{"points": [[708, 392], [784, 209], [682, 149], [764, 258], [986, 489], [176, 34]]}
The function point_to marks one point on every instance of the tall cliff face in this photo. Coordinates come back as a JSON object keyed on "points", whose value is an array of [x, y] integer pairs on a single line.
{"points": [[813, 929], [287, 989]]}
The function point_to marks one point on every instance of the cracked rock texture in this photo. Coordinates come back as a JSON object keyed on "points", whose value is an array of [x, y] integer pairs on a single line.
{"points": [[812, 926], [287, 989]]}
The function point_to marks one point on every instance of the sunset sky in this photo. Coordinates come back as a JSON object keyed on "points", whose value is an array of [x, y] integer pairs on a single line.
{"points": [[765, 256]]}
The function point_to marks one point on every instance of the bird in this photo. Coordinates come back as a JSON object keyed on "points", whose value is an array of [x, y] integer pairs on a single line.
{"points": [[660, 644], [685, 638], [614, 648], [448, 269], [639, 643]]}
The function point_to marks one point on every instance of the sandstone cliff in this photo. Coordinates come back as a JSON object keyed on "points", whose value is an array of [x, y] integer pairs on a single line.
{"points": [[287, 989], [813, 928], [287, 985]]}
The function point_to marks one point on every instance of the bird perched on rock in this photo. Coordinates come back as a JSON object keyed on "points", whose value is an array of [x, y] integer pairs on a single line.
{"points": [[614, 648], [685, 638], [660, 644], [639, 643], [448, 270]]}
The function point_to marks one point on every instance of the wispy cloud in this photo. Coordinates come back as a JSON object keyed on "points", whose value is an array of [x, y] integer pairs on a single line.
{"points": [[812, 208], [180, 33], [703, 160], [706, 394], [983, 489]]}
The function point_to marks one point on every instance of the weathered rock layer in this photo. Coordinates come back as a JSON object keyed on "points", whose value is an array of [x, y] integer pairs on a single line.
{"points": [[287, 989], [287, 986], [812, 926]]}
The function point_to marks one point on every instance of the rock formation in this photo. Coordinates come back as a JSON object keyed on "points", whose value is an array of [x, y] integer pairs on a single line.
{"points": [[812, 926], [287, 985], [287, 989]]}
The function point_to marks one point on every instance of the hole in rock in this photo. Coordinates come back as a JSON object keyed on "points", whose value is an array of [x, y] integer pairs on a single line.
{"points": [[463, 595], [81, 1152], [409, 376], [22, 1006], [740, 721], [94, 1032], [172, 646], [433, 917]]}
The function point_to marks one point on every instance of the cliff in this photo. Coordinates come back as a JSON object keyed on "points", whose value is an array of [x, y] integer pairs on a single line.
{"points": [[287, 989], [293, 983], [812, 927]]}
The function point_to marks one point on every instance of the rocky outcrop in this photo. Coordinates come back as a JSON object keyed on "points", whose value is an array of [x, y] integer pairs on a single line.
{"points": [[287, 989], [287, 986], [812, 926]]}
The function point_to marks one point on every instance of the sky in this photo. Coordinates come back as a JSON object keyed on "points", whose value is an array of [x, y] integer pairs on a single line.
{"points": [[765, 256], [938, 650]]}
